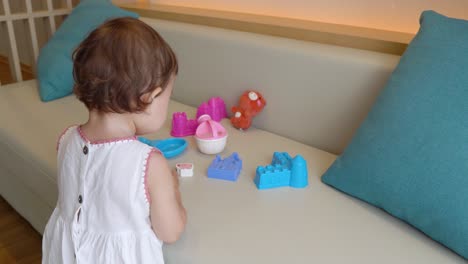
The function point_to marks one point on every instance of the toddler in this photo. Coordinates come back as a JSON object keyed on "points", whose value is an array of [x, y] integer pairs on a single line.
{"points": [[118, 199]]}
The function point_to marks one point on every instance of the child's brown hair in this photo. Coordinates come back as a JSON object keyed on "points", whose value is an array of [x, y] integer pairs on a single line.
{"points": [[120, 61]]}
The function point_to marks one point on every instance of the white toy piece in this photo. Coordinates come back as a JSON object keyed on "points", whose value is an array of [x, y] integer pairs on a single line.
{"points": [[184, 169]]}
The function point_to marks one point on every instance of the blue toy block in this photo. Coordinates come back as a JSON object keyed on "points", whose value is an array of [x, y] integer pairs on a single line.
{"points": [[283, 171], [227, 169]]}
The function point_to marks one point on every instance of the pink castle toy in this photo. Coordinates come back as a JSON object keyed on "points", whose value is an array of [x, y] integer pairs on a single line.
{"points": [[181, 126], [215, 108]]}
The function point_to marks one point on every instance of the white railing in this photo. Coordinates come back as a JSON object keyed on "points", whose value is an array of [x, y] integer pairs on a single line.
{"points": [[30, 15]]}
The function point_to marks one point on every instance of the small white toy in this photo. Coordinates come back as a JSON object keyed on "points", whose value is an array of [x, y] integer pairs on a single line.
{"points": [[184, 169]]}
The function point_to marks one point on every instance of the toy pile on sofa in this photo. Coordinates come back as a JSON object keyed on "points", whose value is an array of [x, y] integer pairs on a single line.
{"points": [[211, 138]]}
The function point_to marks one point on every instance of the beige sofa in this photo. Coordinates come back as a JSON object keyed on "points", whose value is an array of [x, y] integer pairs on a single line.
{"points": [[316, 97]]}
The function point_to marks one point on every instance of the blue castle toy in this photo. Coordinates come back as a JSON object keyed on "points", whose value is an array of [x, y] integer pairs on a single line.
{"points": [[283, 171], [227, 169]]}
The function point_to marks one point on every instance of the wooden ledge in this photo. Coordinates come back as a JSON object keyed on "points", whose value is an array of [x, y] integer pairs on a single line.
{"points": [[342, 35]]}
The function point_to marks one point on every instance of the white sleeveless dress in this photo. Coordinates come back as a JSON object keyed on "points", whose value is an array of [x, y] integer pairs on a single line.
{"points": [[102, 214]]}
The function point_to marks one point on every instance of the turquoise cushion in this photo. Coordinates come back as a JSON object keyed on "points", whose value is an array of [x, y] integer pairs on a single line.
{"points": [[54, 65], [410, 156]]}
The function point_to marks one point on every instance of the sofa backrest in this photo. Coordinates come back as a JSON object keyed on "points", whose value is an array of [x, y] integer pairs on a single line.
{"points": [[317, 94]]}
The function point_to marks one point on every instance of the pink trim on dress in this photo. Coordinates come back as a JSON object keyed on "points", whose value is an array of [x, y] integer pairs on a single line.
{"points": [[103, 141], [61, 136]]}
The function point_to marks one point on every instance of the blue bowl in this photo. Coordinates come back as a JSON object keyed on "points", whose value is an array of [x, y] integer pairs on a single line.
{"points": [[170, 147]]}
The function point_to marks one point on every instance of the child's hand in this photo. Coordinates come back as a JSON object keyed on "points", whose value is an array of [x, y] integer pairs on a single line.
{"points": [[176, 177]]}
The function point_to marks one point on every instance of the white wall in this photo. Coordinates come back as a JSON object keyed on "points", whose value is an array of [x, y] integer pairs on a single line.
{"points": [[395, 15]]}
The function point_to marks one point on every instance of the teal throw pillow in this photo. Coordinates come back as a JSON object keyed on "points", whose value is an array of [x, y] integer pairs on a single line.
{"points": [[54, 65], [410, 155]]}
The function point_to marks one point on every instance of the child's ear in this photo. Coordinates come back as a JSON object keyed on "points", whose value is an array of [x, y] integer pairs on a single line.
{"points": [[149, 97], [156, 92]]}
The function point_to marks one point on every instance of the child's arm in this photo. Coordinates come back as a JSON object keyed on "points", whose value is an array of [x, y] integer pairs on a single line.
{"points": [[168, 215]]}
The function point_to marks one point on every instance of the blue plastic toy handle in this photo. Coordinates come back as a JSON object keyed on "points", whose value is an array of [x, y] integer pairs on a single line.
{"points": [[170, 147]]}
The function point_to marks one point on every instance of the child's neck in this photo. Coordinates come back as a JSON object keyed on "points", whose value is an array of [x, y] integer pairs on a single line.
{"points": [[105, 126]]}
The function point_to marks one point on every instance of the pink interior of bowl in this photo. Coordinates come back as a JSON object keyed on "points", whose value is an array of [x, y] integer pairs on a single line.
{"points": [[210, 129]]}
